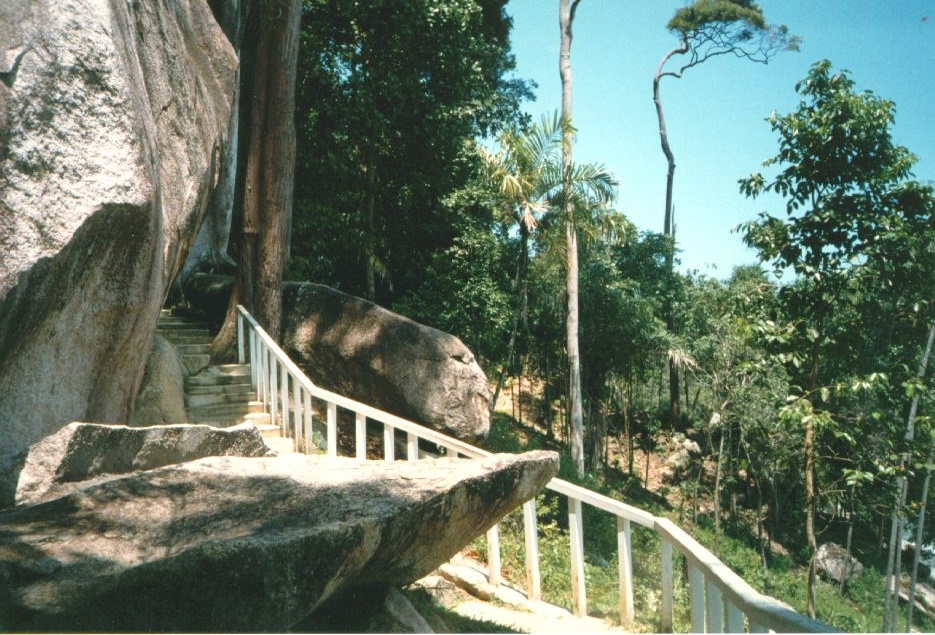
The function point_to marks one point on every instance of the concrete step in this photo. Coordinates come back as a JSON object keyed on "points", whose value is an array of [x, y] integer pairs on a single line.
{"points": [[166, 318], [224, 374], [280, 445], [212, 399], [223, 412], [241, 387], [261, 420], [202, 380], [183, 340], [180, 324], [269, 431], [180, 335], [193, 349]]}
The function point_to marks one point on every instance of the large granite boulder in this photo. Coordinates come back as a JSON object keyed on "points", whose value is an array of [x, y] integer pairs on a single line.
{"points": [[82, 451], [238, 544], [161, 398], [380, 358], [112, 118]]}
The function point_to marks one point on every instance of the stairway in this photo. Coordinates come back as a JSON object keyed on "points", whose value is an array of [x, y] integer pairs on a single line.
{"points": [[217, 395]]}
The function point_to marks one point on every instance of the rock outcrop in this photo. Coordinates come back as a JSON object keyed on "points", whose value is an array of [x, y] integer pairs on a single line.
{"points": [[161, 398], [834, 562], [112, 119], [356, 348], [238, 544], [82, 451]]}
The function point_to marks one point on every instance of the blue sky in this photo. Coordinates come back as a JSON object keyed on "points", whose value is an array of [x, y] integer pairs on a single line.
{"points": [[716, 113]]}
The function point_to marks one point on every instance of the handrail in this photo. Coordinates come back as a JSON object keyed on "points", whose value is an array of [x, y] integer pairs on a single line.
{"points": [[721, 601]]}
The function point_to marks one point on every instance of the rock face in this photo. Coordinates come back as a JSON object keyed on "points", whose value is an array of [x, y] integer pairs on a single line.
{"points": [[833, 561], [236, 544], [82, 451], [161, 398], [380, 358], [112, 118]]}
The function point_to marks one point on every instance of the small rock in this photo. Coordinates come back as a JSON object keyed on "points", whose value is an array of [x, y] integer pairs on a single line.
{"points": [[834, 562]]}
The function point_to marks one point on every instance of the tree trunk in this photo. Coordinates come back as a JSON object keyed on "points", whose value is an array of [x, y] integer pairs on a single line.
{"points": [[920, 524], [668, 222], [928, 473], [370, 231], [849, 541], [566, 18], [270, 170], [894, 562], [717, 496], [809, 451], [810, 513]]}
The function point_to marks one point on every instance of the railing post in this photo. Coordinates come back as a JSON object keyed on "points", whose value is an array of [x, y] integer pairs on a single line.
{"points": [[389, 444], [696, 588], [361, 437], [260, 369], [734, 618], [273, 389], [412, 447], [665, 622], [240, 351], [493, 555], [264, 373], [297, 391], [254, 363], [284, 393], [714, 607], [625, 569], [332, 429], [576, 534], [530, 529], [307, 417]]}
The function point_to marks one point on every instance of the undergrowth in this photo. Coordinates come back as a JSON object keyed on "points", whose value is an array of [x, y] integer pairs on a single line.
{"points": [[858, 609]]}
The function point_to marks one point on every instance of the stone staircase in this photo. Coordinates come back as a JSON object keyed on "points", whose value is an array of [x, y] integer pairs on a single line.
{"points": [[217, 395]]}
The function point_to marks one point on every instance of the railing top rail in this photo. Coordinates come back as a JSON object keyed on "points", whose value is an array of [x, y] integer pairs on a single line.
{"points": [[761, 609], [600, 501]]}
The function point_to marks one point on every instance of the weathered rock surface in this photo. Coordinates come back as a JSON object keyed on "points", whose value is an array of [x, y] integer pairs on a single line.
{"points": [[81, 451], [833, 561], [112, 119], [679, 459], [238, 544], [356, 348], [161, 398]]}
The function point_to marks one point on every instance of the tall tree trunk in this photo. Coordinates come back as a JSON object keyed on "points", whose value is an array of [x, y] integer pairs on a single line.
{"points": [[566, 19], [920, 524], [668, 222], [270, 170], [717, 495], [894, 565], [810, 513], [809, 451], [894, 562], [370, 230]]}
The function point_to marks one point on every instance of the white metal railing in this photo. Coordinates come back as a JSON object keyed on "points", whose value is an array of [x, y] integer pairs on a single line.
{"points": [[721, 601]]}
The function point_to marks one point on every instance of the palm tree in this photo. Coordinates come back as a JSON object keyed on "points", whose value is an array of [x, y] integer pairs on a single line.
{"points": [[538, 193]]}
